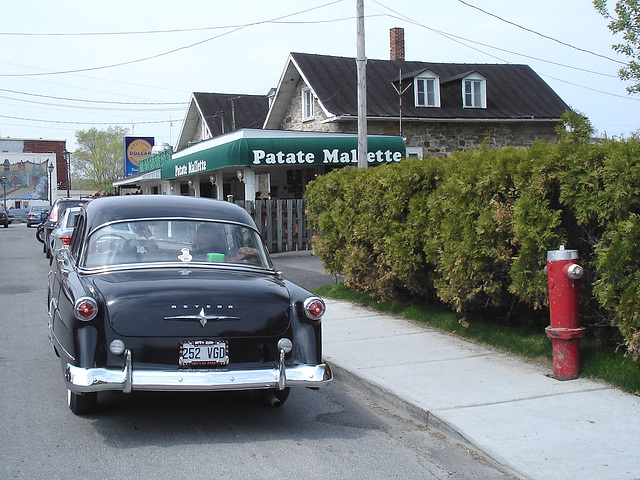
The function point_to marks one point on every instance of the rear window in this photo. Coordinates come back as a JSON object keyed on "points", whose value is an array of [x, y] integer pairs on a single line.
{"points": [[183, 241], [59, 208]]}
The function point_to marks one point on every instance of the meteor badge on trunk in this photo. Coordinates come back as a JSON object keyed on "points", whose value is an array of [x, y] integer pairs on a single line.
{"points": [[201, 317]]}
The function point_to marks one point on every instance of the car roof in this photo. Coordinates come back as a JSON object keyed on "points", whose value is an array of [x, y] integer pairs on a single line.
{"points": [[71, 200], [134, 207]]}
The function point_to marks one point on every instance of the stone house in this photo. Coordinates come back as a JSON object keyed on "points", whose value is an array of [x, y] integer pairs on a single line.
{"points": [[429, 108], [437, 107]]}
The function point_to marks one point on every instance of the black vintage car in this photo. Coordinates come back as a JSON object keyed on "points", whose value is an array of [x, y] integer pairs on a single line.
{"points": [[173, 293]]}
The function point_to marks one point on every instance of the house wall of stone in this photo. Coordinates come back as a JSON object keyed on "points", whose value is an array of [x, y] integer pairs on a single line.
{"points": [[435, 138]]}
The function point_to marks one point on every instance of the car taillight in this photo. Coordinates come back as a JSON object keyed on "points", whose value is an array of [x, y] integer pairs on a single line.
{"points": [[65, 240], [85, 309], [314, 308]]}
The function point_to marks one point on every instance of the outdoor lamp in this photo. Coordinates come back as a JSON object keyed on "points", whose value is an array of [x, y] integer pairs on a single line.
{"points": [[240, 175], [50, 168], [67, 159], [4, 191]]}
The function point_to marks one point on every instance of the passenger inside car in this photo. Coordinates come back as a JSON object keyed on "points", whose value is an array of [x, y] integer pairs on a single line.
{"points": [[209, 243]]}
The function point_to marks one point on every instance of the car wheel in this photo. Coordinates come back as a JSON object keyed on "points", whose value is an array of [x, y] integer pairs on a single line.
{"points": [[82, 403], [274, 398]]}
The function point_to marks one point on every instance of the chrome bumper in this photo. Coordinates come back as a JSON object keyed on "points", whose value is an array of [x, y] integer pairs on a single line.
{"points": [[83, 380]]}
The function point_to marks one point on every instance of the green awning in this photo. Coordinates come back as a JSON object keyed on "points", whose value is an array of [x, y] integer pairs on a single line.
{"points": [[287, 151]]}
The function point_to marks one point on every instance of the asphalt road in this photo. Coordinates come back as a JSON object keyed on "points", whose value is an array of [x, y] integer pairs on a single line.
{"points": [[333, 433], [303, 268]]}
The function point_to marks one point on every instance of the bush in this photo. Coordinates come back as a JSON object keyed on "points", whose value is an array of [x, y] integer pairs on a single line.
{"points": [[472, 230]]}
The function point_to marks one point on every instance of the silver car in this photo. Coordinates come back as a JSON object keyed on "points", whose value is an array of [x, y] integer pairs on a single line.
{"points": [[61, 235]]}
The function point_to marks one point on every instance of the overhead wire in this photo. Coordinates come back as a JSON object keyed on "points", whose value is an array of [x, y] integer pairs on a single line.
{"points": [[90, 101], [235, 28], [184, 47], [462, 40], [583, 50], [86, 123]]}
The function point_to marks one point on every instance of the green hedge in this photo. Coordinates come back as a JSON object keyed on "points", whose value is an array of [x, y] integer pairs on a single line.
{"points": [[472, 230]]}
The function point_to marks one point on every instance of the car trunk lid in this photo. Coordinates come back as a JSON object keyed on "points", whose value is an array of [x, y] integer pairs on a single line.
{"points": [[194, 303]]}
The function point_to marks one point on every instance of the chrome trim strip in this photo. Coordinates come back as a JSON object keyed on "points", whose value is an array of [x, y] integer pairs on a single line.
{"points": [[282, 370], [181, 265], [128, 372], [84, 380], [56, 343]]}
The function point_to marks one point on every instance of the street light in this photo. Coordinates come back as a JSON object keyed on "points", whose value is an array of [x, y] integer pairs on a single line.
{"points": [[67, 159], [50, 168], [4, 191]]}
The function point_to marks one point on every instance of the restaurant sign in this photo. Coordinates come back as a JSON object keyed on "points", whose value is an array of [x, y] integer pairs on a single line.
{"points": [[335, 156], [286, 151]]}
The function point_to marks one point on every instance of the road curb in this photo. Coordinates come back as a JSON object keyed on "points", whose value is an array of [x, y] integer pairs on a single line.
{"points": [[388, 399]]}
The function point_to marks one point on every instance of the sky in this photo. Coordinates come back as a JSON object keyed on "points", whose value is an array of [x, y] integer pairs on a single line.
{"points": [[72, 65]]}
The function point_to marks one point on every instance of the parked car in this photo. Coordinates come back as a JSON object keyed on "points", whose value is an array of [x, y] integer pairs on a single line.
{"points": [[174, 293], [58, 208], [4, 217], [61, 235], [37, 214]]}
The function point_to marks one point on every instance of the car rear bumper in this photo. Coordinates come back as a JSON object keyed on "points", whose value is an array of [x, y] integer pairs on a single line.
{"points": [[82, 380]]}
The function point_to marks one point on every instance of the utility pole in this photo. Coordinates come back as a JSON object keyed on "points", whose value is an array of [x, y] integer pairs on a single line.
{"points": [[361, 64]]}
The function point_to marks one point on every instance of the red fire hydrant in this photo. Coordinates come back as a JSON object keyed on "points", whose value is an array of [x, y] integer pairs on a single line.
{"points": [[563, 273]]}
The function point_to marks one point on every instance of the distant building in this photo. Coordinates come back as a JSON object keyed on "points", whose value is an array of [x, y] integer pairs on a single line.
{"points": [[25, 165]]}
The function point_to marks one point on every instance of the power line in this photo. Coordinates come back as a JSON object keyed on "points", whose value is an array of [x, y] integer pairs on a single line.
{"points": [[461, 40], [91, 101], [93, 108], [185, 47], [85, 123], [179, 30], [541, 34]]}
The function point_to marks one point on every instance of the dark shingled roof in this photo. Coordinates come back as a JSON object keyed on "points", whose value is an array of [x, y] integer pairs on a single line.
{"points": [[513, 91], [249, 111]]}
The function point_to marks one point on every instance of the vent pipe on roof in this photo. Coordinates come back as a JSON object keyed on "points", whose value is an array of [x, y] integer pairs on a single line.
{"points": [[396, 38]]}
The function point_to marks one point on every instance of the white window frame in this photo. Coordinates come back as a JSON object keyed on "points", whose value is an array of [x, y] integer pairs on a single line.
{"points": [[308, 108], [423, 95], [476, 96]]}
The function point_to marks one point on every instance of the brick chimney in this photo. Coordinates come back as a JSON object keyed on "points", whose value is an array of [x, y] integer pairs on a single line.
{"points": [[396, 37]]}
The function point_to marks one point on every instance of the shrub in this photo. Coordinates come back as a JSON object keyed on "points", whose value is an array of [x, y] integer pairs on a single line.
{"points": [[472, 230]]}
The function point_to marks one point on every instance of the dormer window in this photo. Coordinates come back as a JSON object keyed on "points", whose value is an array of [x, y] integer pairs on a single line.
{"points": [[307, 104], [474, 91], [427, 90]]}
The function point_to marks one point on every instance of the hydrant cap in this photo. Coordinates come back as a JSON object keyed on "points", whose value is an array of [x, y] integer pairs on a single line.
{"points": [[558, 255]]}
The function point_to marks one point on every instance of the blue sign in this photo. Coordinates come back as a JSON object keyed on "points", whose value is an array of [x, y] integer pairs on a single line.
{"points": [[136, 149]]}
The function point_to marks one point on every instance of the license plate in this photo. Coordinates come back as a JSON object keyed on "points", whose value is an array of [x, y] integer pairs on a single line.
{"points": [[203, 352]]}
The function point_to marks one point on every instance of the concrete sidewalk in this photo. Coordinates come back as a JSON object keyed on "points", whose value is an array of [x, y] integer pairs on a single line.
{"points": [[506, 408]]}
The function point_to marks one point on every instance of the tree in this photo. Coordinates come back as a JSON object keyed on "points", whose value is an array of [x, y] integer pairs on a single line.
{"points": [[575, 127], [99, 157], [626, 20]]}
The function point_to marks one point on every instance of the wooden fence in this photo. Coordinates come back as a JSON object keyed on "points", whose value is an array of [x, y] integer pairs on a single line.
{"points": [[282, 223]]}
